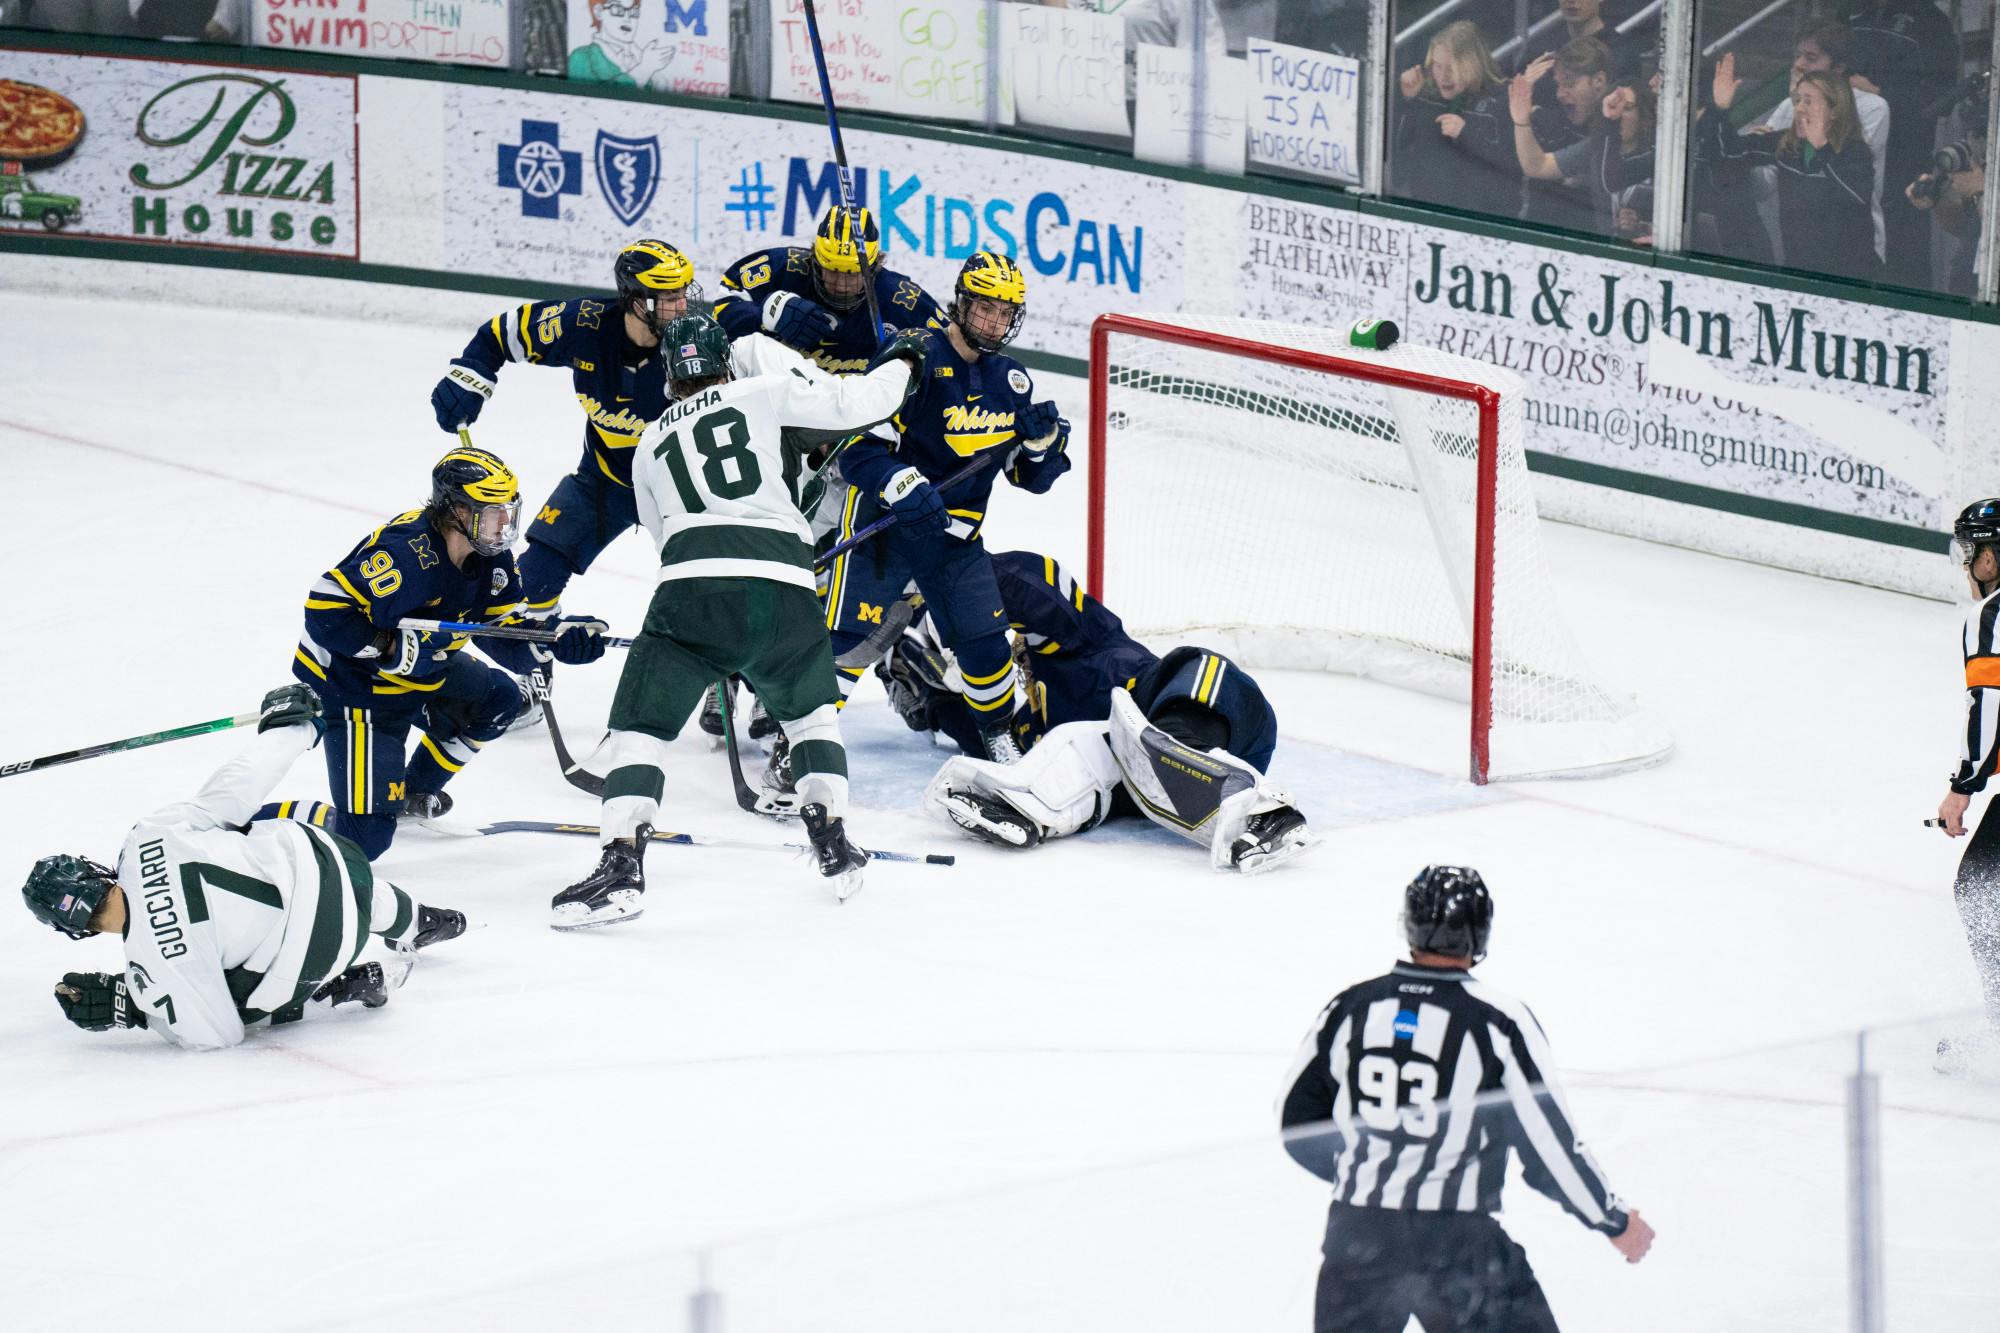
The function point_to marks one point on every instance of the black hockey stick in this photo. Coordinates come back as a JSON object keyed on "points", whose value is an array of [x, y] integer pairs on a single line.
{"points": [[694, 840], [881, 639], [746, 797], [574, 773], [888, 520], [129, 743], [842, 175]]}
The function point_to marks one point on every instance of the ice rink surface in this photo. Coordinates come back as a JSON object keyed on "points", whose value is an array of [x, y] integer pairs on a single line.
{"points": [[1028, 1091]]}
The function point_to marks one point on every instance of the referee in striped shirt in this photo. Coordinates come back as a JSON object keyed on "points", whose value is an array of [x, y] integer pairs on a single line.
{"points": [[1408, 1095]]}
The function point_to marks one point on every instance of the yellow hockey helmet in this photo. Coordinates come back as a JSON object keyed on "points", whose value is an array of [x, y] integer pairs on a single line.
{"points": [[648, 270], [990, 276], [486, 490], [837, 257]]}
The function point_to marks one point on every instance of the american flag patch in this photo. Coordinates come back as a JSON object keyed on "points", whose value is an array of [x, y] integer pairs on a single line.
{"points": [[68, 901], [687, 350]]}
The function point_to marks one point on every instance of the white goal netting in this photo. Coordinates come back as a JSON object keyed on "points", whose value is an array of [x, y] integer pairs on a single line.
{"points": [[1308, 518]]}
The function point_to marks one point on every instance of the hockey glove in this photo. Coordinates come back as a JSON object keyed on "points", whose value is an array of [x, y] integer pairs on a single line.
{"points": [[1041, 426], [95, 1001], [914, 502], [798, 322], [579, 639], [459, 396], [910, 345], [291, 706], [411, 652]]}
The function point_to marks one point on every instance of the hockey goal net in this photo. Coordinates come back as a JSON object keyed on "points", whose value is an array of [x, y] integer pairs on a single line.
{"points": [[1270, 491]]}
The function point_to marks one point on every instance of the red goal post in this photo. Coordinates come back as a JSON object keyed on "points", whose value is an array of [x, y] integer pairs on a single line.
{"points": [[1419, 448]]}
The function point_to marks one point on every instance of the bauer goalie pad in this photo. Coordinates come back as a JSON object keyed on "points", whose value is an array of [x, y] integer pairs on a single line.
{"points": [[1206, 797], [1063, 786]]}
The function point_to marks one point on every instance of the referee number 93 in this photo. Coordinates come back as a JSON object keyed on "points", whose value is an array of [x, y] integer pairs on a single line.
{"points": [[1398, 1096]]}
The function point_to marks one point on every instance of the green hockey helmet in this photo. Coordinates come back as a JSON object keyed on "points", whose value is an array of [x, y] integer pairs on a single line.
{"points": [[697, 353], [65, 891]]}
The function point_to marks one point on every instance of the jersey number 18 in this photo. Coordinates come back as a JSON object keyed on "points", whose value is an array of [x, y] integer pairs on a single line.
{"points": [[722, 438]]}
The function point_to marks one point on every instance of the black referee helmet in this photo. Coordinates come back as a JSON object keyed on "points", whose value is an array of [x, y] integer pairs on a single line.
{"points": [[1446, 909]]}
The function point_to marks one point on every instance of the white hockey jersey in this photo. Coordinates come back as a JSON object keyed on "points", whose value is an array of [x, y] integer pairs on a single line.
{"points": [[225, 928], [716, 485]]}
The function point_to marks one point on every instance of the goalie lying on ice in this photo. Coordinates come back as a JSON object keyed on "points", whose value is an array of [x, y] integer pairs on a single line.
{"points": [[1110, 729], [233, 915]]}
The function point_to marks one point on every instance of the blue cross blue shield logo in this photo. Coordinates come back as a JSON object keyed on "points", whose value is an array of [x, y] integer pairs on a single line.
{"points": [[628, 172], [540, 169]]}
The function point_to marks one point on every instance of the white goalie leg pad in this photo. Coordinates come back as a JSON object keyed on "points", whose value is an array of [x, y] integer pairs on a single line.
{"points": [[622, 815], [1206, 797], [827, 789], [1064, 785]]}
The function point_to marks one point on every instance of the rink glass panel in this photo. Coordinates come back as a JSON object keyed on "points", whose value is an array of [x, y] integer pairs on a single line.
{"points": [[1915, 117]]}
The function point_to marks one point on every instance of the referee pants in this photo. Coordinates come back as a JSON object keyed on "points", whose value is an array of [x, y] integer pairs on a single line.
{"points": [[1978, 893], [1456, 1272]]}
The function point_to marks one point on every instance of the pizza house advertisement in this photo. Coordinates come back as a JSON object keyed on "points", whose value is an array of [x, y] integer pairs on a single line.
{"points": [[158, 150]]}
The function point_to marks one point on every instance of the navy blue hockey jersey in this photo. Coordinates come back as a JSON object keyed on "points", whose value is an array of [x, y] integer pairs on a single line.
{"points": [[961, 410], [1077, 652], [788, 268], [400, 569], [622, 386]]}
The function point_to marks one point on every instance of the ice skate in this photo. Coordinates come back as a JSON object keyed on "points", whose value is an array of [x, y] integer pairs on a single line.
{"points": [[990, 820], [611, 893], [1269, 839], [840, 861]]}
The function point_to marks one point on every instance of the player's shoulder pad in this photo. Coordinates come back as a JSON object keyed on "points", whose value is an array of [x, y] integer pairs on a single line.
{"points": [[898, 292]]}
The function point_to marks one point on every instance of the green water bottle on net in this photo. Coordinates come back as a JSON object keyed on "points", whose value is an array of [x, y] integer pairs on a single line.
{"points": [[1377, 335]]}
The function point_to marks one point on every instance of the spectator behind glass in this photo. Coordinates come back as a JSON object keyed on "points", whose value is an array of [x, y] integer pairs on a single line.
{"points": [[1955, 194], [1611, 163], [1823, 49], [1582, 78], [1902, 49], [1452, 144], [1580, 18], [1823, 169]]}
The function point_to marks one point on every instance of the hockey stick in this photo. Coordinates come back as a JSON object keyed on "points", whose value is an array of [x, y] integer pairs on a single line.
{"points": [[881, 639], [888, 520], [573, 773], [129, 743], [745, 798], [692, 840], [843, 175], [477, 630]]}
